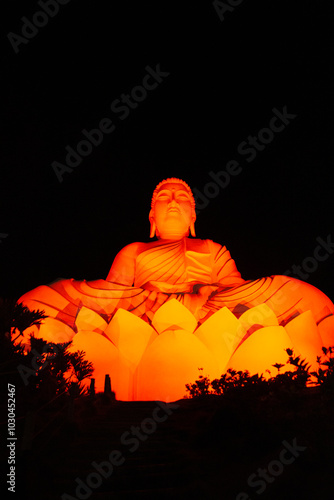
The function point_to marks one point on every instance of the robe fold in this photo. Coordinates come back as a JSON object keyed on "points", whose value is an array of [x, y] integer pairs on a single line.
{"points": [[203, 281]]}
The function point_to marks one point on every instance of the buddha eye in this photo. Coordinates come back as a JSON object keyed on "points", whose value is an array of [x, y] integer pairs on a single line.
{"points": [[163, 197], [183, 197]]}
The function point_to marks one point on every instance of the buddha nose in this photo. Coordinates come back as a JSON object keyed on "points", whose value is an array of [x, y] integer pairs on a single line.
{"points": [[173, 202]]}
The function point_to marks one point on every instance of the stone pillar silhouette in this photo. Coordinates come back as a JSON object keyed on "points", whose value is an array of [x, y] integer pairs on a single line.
{"points": [[107, 385]]}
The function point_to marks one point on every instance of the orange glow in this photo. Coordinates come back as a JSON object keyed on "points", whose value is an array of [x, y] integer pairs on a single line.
{"points": [[305, 337], [177, 304], [106, 358], [169, 363], [262, 350], [130, 335], [221, 333], [326, 329]]}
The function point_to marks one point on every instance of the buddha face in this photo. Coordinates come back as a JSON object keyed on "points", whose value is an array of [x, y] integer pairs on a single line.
{"points": [[173, 213]]}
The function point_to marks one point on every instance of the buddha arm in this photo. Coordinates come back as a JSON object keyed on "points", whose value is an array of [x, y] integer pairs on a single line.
{"points": [[122, 270], [224, 266]]}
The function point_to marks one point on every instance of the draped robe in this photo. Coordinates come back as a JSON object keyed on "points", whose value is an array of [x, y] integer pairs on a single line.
{"points": [[180, 270]]}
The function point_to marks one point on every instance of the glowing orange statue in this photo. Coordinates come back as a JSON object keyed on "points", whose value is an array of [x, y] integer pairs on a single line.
{"points": [[176, 304]]}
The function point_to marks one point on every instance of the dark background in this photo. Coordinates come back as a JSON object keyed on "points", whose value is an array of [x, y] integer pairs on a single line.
{"points": [[225, 79]]}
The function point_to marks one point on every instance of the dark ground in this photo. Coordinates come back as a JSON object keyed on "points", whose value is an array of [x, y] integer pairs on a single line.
{"points": [[205, 449]]}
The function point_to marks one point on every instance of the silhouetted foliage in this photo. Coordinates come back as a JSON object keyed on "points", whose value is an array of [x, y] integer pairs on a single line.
{"points": [[15, 316], [292, 380], [58, 369], [46, 369], [325, 377]]}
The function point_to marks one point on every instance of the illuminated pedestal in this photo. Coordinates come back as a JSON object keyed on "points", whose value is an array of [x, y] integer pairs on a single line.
{"points": [[156, 362]]}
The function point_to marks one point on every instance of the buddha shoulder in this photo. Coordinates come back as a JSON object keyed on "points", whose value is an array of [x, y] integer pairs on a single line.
{"points": [[192, 244], [132, 250]]}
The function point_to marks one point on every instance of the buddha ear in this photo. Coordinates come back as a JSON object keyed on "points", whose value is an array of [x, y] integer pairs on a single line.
{"points": [[152, 224], [152, 229], [192, 228]]}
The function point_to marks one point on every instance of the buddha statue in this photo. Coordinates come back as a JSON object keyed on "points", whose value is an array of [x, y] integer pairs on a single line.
{"points": [[177, 304]]}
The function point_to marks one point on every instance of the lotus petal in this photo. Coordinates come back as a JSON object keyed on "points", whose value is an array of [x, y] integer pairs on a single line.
{"points": [[130, 334], [258, 315], [171, 362], [87, 319], [107, 360], [305, 337], [174, 314], [326, 330], [261, 350], [221, 334], [53, 330]]}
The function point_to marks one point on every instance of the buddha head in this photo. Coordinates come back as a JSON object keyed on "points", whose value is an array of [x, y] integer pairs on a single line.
{"points": [[172, 214]]}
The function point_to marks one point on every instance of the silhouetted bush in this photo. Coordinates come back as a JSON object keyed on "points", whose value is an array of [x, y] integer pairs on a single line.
{"points": [[41, 370], [290, 381]]}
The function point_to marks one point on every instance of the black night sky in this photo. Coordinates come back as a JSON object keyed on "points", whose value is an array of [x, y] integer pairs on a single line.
{"points": [[221, 81]]}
